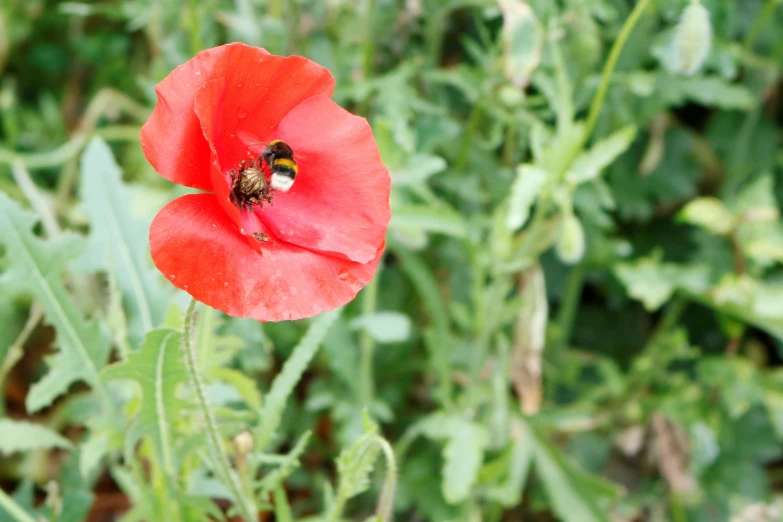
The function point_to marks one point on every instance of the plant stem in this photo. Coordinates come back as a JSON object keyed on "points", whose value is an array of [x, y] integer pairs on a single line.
{"points": [[761, 20], [33, 195], [367, 344], [12, 508], [611, 62], [470, 130], [386, 501], [570, 302], [223, 468]]}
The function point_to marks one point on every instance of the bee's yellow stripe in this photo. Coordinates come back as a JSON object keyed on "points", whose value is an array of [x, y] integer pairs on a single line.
{"points": [[285, 162], [273, 142]]}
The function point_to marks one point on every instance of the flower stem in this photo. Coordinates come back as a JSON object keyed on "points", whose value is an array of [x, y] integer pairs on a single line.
{"points": [[367, 344], [244, 505], [611, 62], [386, 501]]}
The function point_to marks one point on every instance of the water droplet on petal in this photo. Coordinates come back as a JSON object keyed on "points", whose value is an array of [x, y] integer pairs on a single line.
{"points": [[344, 275], [172, 276]]}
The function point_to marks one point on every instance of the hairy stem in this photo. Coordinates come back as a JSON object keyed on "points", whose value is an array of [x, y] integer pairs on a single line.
{"points": [[244, 505], [386, 500]]}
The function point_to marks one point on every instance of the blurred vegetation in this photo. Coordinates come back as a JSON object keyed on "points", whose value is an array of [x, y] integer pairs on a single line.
{"points": [[579, 316]]}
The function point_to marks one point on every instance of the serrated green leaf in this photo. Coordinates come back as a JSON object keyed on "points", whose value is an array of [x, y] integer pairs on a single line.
{"points": [[462, 458], [244, 385], [118, 242], [286, 380], [590, 164], [92, 451], [35, 267], [441, 220], [158, 368], [709, 213], [572, 493], [356, 462], [16, 436], [524, 191], [653, 282], [418, 170], [275, 478], [385, 327]]}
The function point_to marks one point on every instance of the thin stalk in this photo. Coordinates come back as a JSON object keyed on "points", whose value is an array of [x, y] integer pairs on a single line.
{"points": [[16, 351], [368, 51], [759, 23], [244, 505], [611, 63], [367, 344], [33, 195], [13, 509], [470, 131], [570, 303]]}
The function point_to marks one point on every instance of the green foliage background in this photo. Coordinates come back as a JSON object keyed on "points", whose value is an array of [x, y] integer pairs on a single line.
{"points": [[579, 316]]}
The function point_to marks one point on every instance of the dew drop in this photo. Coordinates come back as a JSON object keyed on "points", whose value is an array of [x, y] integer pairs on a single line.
{"points": [[172, 276], [242, 115], [344, 275], [225, 284], [185, 287]]}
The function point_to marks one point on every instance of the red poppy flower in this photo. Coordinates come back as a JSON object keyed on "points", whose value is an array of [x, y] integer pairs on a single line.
{"points": [[249, 247]]}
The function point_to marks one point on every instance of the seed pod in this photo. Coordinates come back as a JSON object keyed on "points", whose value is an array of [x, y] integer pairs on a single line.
{"points": [[570, 245], [693, 38]]}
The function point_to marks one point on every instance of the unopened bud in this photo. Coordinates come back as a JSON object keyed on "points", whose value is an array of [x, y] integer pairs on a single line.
{"points": [[693, 38], [243, 443], [570, 246]]}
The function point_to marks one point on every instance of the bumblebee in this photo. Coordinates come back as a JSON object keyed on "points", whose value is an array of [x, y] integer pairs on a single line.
{"points": [[279, 157]]}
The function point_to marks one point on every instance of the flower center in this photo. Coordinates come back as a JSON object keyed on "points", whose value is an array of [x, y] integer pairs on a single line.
{"points": [[249, 184]]}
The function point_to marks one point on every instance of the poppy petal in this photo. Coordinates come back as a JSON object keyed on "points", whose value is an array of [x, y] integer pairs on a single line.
{"points": [[256, 96], [339, 202], [197, 247], [172, 138]]}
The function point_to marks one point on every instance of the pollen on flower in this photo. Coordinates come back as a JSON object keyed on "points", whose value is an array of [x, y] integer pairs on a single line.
{"points": [[249, 186]]}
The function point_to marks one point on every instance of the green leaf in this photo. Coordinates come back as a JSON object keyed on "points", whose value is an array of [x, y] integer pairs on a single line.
{"points": [[16, 436], [385, 327], [709, 213], [571, 492], [418, 170], [35, 267], [440, 220], [118, 242], [590, 164], [356, 462], [523, 41], [158, 368], [653, 282], [289, 376], [524, 191], [463, 455], [288, 465]]}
